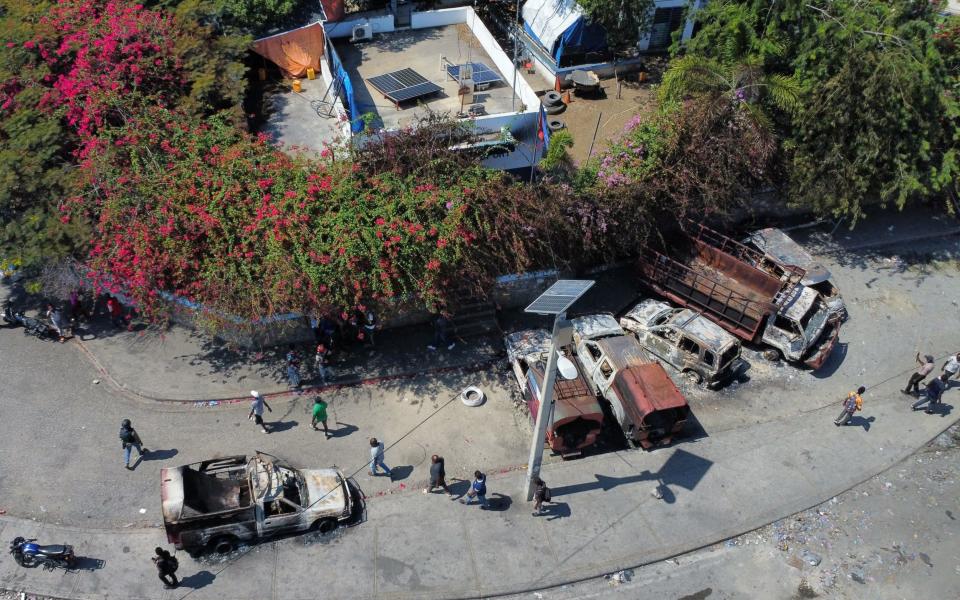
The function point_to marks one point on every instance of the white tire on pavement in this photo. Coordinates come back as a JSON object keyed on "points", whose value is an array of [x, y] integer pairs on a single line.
{"points": [[472, 396]]}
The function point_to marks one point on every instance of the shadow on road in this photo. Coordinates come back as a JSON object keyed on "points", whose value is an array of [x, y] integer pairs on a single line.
{"points": [[683, 469], [198, 580]]}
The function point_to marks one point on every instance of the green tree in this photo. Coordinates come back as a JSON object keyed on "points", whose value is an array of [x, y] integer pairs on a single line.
{"points": [[623, 19], [745, 83], [874, 96]]}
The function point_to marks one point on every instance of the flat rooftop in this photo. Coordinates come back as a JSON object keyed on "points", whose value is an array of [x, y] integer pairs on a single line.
{"points": [[302, 120], [420, 50]]}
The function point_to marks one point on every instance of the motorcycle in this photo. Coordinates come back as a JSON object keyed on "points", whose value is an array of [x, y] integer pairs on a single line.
{"points": [[29, 554], [31, 326]]}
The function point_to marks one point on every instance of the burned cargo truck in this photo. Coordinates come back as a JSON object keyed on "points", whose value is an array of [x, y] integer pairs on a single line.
{"points": [[709, 272]]}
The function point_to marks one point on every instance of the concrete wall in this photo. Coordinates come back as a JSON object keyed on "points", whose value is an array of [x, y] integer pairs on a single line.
{"points": [[381, 24], [504, 63], [438, 18]]}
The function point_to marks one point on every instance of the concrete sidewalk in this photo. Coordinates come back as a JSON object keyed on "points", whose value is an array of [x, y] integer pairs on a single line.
{"points": [[604, 518], [187, 366]]}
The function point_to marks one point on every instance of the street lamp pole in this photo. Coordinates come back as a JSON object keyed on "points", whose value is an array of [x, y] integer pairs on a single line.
{"points": [[545, 413], [555, 301], [516, 45]]}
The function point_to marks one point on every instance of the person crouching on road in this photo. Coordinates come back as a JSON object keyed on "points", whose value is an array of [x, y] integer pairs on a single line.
{"points": [[932, 394], [129, 438], [852, 403]]}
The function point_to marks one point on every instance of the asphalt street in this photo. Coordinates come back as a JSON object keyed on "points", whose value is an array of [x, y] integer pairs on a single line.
{"points": [[766, 450]]}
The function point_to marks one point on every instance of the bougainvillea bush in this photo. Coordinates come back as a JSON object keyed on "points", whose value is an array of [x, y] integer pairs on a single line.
{"points": [[70, 67], [694, 158], [224, 219]]}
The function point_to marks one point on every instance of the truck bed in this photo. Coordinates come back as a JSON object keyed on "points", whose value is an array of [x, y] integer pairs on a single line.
{"points": [[735, 294]]}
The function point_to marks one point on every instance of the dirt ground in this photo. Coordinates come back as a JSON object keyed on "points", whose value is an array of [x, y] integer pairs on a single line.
{"points": [[582, 115]]}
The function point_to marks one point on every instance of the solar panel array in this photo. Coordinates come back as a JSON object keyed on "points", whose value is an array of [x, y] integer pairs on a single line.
{"points": [[559, 296], [404, 85], [481, 73]]}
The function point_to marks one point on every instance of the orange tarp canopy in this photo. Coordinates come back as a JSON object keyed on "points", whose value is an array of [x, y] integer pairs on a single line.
{"points": [[294, 51]]}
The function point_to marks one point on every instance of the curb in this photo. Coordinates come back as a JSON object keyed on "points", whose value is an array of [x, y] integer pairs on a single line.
{"points": [[132, 392], [882, 243]]}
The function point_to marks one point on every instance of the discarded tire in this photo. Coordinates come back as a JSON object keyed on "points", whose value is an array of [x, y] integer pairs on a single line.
{"points": [[472, 396], [551, 98], [555, 124], [555, 110]]}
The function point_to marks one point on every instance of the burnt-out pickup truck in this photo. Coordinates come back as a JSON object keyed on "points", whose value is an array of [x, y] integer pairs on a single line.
{"points": [[214, 505]]}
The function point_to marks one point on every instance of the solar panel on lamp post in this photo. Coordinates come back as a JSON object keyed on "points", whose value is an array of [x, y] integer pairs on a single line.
{"points": [[554, 301]]}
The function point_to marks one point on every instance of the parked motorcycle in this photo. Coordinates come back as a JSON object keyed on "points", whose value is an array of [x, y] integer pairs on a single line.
{"points": [[29, 554], [31, 326]]}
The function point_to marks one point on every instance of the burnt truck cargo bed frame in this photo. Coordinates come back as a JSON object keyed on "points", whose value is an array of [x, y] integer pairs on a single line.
{"points": [[719, 280]]}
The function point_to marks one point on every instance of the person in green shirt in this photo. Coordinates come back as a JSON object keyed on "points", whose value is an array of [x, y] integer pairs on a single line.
{"points": [[320, 415]]}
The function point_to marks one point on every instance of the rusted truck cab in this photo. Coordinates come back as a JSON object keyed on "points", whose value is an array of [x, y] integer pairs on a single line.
{"points": [[685, 340], [781, 252], [644, 400], [577, 414], [217, 504]]}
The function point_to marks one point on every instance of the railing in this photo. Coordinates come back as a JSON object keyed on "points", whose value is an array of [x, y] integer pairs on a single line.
{"points": [[705, 292]]}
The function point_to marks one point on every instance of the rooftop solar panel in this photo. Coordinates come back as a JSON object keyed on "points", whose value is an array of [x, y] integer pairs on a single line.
{"points": [[480, 73], [403, 85], [559, 297]]}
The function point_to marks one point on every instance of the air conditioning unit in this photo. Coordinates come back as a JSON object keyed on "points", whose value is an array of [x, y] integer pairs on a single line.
{"points": [[361, 33]]}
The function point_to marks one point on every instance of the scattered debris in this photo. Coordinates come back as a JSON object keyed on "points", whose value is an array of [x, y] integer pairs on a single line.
{"points": [[96, 382], [657, 493], [810, 558], [620, 577]]}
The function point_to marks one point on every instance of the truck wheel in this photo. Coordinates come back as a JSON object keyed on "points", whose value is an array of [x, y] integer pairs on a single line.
{"points": [[324, 526], [693, 376], [771, 354], [224, 544]]}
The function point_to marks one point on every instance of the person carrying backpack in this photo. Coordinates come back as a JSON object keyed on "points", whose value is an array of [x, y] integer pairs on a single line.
{"points": [[129, 438], [541, 494], [852, 404], [167, 566]]}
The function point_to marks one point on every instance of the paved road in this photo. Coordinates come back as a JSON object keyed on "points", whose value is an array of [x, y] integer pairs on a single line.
{"points": [[775, 455]]}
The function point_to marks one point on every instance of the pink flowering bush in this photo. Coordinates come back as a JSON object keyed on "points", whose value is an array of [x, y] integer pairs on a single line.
{"points": [[226, 220]]}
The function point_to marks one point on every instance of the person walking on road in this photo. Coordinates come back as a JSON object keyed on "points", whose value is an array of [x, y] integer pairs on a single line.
{"points": [[478, 490], [167, 566], [320, 416], [932, 393], [950, 368], [925, 367], [256, 410], [852, 403], [376, 458], [541, 494], [129, 439], [438, 475]]}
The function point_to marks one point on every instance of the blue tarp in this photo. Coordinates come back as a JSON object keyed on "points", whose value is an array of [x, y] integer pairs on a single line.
{"points": [[581, 37], [562, 28], [342, 82]]}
